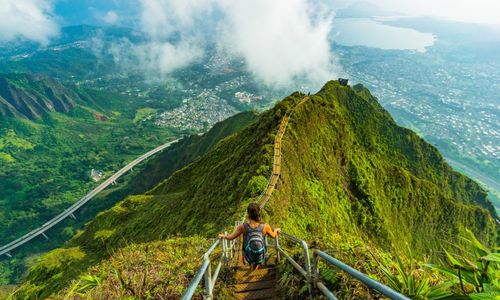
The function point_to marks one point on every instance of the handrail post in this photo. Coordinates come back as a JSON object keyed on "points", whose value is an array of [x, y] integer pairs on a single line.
{"points": [[315, 270], [225, 253], [208, 279], [276, 242], [266, 246], [307, 262], [232, 243]]}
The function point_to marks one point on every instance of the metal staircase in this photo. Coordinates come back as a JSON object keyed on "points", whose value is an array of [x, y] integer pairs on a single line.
{"points": [[254, 284], [260, 283]]}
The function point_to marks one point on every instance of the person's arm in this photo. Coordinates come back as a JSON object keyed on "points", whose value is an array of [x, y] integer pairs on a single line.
{"points": [[236, 233], [267, 230]]}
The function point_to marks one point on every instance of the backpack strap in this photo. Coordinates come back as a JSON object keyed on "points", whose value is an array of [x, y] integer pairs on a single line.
{"points": [[249, 229]]}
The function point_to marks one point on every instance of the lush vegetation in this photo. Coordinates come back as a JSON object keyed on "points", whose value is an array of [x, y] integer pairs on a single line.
{"points": [[32, 96], [474, 268], [144, 271], [106, 145], [361, 173], [49, 165], [363, 185], [351, 179], [51, 136]]}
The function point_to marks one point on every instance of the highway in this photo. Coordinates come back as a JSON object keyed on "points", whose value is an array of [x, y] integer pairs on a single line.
{"points": [[490, 182], [4, 250]]}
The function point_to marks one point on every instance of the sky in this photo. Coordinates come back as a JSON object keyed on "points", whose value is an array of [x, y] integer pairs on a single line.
{"points": [[40, 20], [279, 40]]}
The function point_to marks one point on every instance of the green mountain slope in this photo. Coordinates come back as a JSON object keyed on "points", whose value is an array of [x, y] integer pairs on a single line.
{"points": [[144, 177], [51, 136], [33, 96], [362, 175], [350, 176], [187, 150]]}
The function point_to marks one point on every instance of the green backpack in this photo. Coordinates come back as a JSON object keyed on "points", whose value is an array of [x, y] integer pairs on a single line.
{"points": [[254, 245]]}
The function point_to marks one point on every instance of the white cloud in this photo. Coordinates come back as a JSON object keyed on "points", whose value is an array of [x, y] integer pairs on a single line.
{"points": [[111, 17], [29, 19], [159, 55], [162, 57], [280, 40], [160, 18]]}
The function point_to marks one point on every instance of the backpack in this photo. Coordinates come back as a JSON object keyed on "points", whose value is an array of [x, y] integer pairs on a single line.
{"points": [[254, 245]]}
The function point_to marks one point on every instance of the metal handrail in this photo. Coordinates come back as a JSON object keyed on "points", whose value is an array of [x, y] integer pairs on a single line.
{"points": [[269, 181], [311, 274], [229, 249], [313, 277], [306, 270], [204, 272], [381, 288]]}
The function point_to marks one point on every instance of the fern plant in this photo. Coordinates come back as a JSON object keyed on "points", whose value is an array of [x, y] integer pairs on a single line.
{"points": [[85, 284], [412, 281], [291, 283], [475, 268]]}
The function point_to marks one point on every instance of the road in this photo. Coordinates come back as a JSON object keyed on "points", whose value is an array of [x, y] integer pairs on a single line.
{"points": [[473, 173], [69, 211]]}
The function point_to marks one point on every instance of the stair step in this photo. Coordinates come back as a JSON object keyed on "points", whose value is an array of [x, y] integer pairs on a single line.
{"points": [[245, 276], [253, 286], [254, 295], [247, 271]]}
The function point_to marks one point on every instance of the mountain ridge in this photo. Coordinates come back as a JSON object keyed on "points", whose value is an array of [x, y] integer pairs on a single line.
{"points": [[34, 96], [350, 177]]}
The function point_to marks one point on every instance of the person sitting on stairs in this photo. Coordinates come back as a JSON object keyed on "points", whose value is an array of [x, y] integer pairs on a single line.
{"points": [[254, 246]]}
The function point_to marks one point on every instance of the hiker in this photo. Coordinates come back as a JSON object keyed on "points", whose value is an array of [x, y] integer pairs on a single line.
{"points": [[254, 247]]}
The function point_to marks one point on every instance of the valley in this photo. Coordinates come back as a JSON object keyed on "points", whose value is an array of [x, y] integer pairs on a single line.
{"points": [[337, 167], [447, 93], [366, 172]]}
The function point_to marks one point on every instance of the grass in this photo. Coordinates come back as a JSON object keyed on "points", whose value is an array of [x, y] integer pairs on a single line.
{"points": [[413, 280], [6, 290], [142, 113], [12, 140], [351, 178], [6, 157], [141, 271]]}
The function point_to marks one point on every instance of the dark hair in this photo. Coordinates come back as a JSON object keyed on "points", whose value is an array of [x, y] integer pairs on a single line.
{"points": [[253, 211]]}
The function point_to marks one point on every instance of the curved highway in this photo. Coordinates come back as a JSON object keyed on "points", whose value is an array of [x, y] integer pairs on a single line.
{"points": [[69, 211]]}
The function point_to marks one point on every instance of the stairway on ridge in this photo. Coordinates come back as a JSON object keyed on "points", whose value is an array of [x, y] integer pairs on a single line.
{"points": [[260, 283], [255, 284]]}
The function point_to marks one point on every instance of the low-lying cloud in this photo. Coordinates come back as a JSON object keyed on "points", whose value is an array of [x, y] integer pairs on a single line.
{"points": [[111, 17], [281, 41], [27, 19], [172, 34], [164, 57]]}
